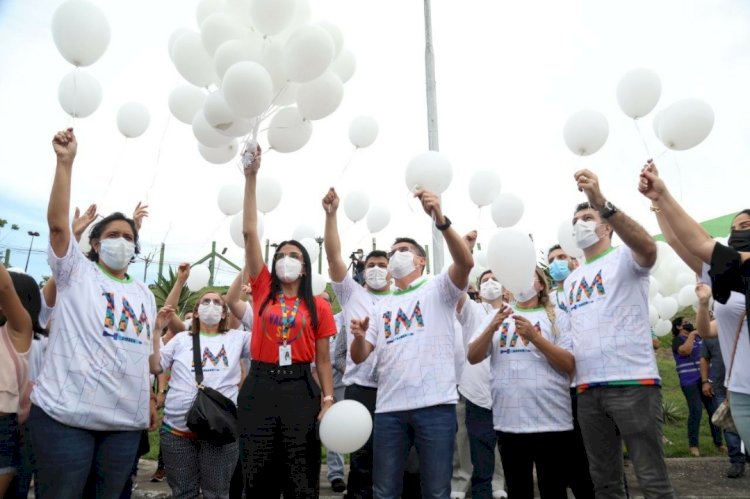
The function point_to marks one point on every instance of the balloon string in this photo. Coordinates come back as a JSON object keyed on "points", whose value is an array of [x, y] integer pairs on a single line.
{"points": [[75, 92], [349, 162], [679, 174], [169, 229], [213, 232], [158, 156], [643, 139]]}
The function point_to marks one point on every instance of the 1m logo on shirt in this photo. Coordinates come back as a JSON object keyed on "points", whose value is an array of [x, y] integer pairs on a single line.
{"points": [[581, 293], [126, 315], [215, 360], [402, 322]]}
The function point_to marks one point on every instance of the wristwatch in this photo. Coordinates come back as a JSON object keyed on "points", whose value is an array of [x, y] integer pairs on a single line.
{"points": [[607, 210], [708, 381], [445, 225]]}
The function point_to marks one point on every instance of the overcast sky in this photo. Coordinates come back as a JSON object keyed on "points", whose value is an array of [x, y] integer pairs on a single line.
{"points": [[508, 75]]}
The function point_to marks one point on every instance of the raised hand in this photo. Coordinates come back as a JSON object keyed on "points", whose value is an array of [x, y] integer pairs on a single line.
{"points": [[65, 145], [703, 292], [430, 204], [470, 238], [164, 316], [650, 184], [588, 183], [251, 167], [138, 214], [499, 317], [81, 221], [525, 329], [331, 201], [183, 272], [358, 327]]}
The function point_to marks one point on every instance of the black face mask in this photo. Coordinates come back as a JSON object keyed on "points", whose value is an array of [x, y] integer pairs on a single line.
{"points": [[688, 327], [739, 240]]}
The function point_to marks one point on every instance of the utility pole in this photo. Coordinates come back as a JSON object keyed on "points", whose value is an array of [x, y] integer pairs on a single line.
{"points": [[33, 234], [320, 240]]}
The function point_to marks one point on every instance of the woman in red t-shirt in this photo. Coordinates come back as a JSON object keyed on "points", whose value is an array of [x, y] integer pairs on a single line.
{"points": [[280, 403]]}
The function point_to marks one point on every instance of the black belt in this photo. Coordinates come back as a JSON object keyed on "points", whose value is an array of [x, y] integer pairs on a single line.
{"points": [[277, 371]]}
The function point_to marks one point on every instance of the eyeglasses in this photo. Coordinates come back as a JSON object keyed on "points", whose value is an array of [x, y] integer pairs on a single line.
{"points": [[292, 254], [402, 249], [209, 301]]}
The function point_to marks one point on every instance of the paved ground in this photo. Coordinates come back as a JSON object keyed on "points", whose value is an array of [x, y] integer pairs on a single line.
{"points": [[691, 477]]}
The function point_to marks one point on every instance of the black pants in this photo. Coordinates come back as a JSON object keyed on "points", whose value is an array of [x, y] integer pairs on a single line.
{"points": [[359, 485], [279, 444], [521, 451], [579, 478]]}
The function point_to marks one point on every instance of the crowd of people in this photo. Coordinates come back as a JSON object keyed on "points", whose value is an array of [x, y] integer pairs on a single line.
{"points": [[473, 390]]}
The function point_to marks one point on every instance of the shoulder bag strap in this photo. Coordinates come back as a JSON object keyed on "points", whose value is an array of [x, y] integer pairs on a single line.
{"points": [[734, 351], [197, 358]]}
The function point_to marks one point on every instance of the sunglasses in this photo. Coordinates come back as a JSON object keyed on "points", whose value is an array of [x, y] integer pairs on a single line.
{"points": [[292, 254], [209, 301], [402, 249]]}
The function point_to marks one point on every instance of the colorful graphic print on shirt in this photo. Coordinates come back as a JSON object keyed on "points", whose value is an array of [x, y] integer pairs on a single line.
{"points": [[581, 293], [127, 315], [402, 321]]}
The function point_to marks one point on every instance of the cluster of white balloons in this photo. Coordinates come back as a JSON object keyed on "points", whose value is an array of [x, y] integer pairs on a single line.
{"points": [[252, 61], [672, 288]]}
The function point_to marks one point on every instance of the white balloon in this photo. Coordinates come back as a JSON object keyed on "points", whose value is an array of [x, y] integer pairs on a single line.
{"points": [[653, 316], [363, 130], [192, 61], [662, 327], [303, 231], [378, 218], [430, 171], [685, 124], [567, 240], [653, 288], [667, 307], [219, 155], [345, 427], [206, 134], [484, 187], [313, 249], [685, 279], [307, 53], [507, 209], [288, 130], [271, 60], [80, 31], [217, 112], [231, 52], [185, 101], [320, 97], [356, 205], [268, 191], [638, 92], [271, 16], [176, 34], [344, 65], [133, 119], [198, 278], [208, 7], [230, 198], [235, 229], [656, 301], [585, 132], [687, 297], [239, 128], [336, 35], [79, 94], [318, 284], [512, 258], [219, 28], [480, 257], [248, 88]]}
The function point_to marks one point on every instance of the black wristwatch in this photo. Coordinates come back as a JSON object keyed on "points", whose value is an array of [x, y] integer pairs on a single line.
{"points": [[445, 225], [708, 381], [607, 210]]}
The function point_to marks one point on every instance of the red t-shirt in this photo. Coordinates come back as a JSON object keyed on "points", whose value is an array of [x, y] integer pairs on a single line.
{"points": [[266, 337]]}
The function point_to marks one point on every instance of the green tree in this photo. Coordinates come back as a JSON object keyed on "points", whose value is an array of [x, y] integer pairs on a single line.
{"points": [[14, 227]]}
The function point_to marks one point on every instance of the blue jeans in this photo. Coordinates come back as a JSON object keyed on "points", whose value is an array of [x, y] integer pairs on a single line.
{"points": [[432, 431], [696, 401], [734, 443], [65, 455]]}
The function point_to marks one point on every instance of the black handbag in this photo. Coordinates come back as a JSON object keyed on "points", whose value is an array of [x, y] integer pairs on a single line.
{"points": [[213, 417]]}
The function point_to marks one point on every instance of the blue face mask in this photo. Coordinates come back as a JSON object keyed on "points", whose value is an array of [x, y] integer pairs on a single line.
{"points": [[559, 270]]}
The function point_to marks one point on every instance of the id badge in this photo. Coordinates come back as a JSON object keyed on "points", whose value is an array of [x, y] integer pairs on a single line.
{"points": [[285, 355]]}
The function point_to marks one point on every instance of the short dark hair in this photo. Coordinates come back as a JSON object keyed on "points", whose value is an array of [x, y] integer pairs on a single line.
{"points": [[98, 229], [488, 271], [553, 248], [743, 212], [376, 254], [677, 325], [414, 243], [582, 206]]}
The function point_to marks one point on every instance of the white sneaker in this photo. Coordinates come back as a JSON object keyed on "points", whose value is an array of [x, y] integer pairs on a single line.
{"points": [[499, 494], [457, 495]]}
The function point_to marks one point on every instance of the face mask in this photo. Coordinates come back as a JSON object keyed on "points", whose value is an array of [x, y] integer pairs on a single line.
{"points": [[188, 325], [688, 327], [490, 290], [739, 240], [585, 234], [527, 295], [375, 278], [559, 270], [209, 313], [116, 253], [288, 269], [401, 264]]}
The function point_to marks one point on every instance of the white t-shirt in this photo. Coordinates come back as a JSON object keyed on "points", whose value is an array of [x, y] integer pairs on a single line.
{"points": [[45, 313], [221, 370], [36, 357], [607, 301], [528, 394], [357, 303], [413, 335], [96, 370], [727, 319], [474, 383], [247, 317]]}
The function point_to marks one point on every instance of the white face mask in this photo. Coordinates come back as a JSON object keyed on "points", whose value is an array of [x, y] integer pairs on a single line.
{"points": [[209, 313], [401, 264], [585, 233], [188, 324], [527, 295], [288, 269], [490, 290], [116, 253], [375, 277]]}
